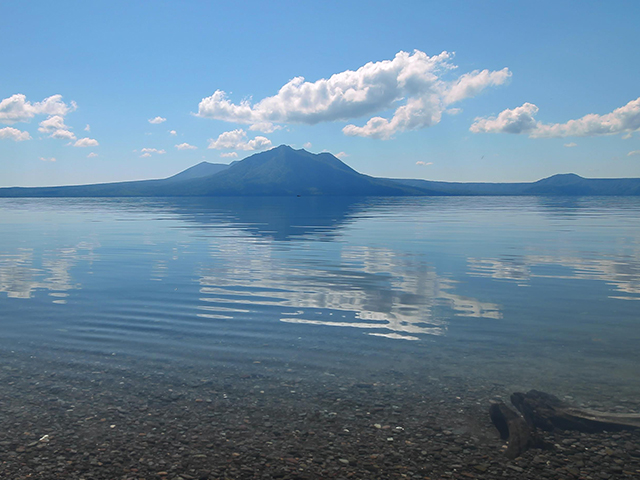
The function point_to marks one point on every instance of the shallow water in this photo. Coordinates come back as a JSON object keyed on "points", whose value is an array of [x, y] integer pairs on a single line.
{"points": [[515, 292]]}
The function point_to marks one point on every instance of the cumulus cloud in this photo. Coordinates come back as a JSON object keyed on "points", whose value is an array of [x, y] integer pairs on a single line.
{"points": [[307, 145], [570, 145], [623, 120], [87, 128], [92, 155], [146, 152], [634, 152], [52, 159], [341, 155], [518, 120], [411, 83], [265, 127], [186, 146], [173, 133], [157, 120], [16, 108], [9, 133], [229, 155], [424, 163], [86, 142], [56, 128], [237, 140]]}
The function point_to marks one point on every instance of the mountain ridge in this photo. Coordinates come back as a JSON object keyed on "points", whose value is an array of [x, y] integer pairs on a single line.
{"points": [[284, 171]]}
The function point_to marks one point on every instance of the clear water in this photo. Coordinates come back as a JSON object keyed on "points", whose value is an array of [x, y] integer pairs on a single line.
{"points": [[518, 292]]}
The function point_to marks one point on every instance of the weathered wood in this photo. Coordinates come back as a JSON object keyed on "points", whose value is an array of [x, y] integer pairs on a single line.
{"points": [[512, 427], [548, 412]]}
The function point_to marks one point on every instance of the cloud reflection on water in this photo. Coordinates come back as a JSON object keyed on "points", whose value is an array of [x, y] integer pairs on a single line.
{"points": [[623, 273], [24, 272], [388, 293]]}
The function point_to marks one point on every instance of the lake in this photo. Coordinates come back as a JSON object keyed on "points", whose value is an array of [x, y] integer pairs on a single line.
{"points": [[477, 297]]}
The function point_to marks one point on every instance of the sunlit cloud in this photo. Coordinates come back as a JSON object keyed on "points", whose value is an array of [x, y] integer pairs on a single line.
{"points": [[173, 133], [570, 145], [186, 146], [87, 128], [424, 163], [16, 108], [521, 120], [56, 128], [237, 140], [634, 152], [146, 152], [265, 127], [92, 155], [86, 142], [229, 155], [341, 155], [157, 120], [412, 84], [51, 159], [9, 133]]}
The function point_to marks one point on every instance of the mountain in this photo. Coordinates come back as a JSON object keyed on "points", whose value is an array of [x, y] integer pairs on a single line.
{"points": [[140, 188], [203, 169], [283, 171], [567, 184]]}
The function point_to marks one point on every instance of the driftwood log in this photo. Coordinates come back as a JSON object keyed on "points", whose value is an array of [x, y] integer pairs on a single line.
{"points": [[547, 412], [514, 429]]}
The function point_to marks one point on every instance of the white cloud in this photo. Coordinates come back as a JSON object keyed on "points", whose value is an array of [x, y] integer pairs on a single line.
{"points": [[634, 152], [86, 142], [518, 120], [229, 155], [56, 128], [265, 127], [146, 152], [341, 155], [14, 134], [52, 159], [412, 80], [157, 120], [185, 146], [237, 140], [471, 84], [173, 133], [92, 155], [424, 163], [87, 128], [307, 145], [570, 145], [624, 120], [16, 108]]}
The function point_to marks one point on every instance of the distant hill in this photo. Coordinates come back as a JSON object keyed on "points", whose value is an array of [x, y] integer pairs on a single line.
{"points": [[561, 184], [283, 171]]}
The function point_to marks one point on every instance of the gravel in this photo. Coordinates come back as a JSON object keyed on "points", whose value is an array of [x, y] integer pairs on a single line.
{"points": [[118, 421]]}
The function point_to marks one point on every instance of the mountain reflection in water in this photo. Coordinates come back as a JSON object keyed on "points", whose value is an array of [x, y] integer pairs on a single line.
{"points": [[230, 273]]}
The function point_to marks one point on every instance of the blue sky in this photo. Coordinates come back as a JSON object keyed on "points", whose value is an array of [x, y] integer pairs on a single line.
{"points": [[460, 91]]}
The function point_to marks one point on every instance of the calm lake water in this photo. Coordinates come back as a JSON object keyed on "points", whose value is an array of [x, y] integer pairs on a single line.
{"points": [[518, 292]]}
